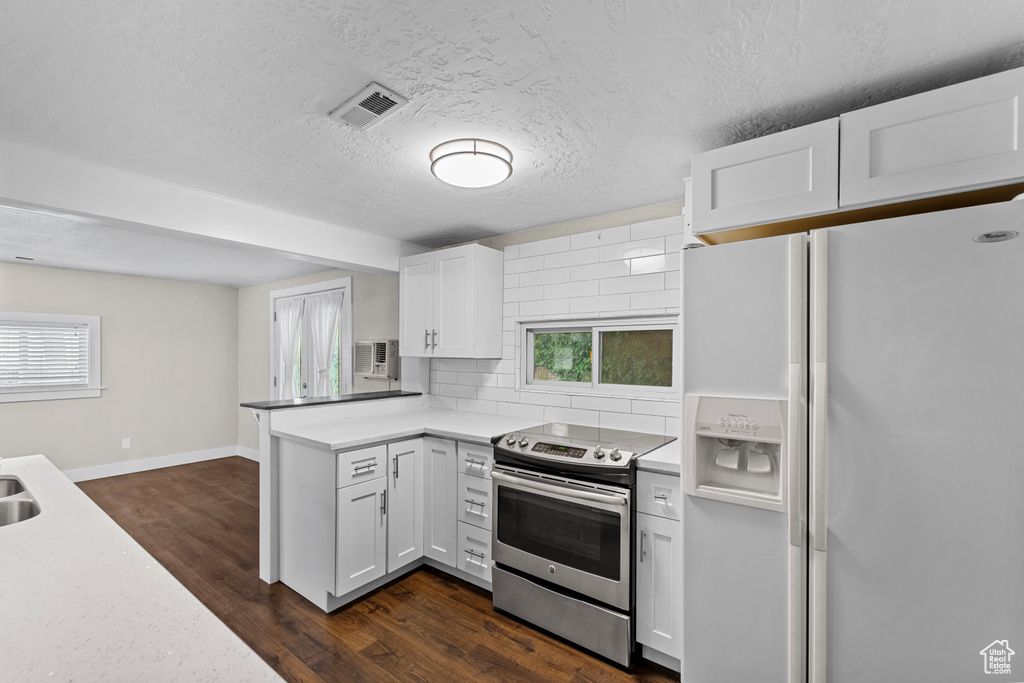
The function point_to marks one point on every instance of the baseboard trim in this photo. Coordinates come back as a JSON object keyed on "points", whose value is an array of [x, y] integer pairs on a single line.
{"points": [[658, 657], [248, 453], [132, 466]]}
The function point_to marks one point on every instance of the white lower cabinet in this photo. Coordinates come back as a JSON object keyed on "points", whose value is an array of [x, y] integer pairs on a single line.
{"points": [[405, 503], [659, 563], [362, 534], [440, 496], [395, 504], [475, 551]]}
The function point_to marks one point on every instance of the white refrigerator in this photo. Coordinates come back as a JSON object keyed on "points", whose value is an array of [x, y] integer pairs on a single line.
{"points": [[880, 535]]}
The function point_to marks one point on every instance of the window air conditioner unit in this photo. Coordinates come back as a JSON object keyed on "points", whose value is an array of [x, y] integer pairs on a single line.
{"points": [[377, 359]]}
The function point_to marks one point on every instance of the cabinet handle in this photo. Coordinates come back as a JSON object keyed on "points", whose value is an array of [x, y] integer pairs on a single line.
{"points": [[476, 463], [473, 502], [479, 556], [661, 496], [384, 502], [643, 537], [358, 469], [396, 468], [426, 340], [435, 338]]}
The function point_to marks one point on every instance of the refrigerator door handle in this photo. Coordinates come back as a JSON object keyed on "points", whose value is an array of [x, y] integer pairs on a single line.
{"points": [[819, 521], [819, 392], [795, 460]]}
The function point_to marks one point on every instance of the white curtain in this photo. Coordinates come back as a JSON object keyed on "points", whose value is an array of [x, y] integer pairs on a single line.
{"points": [[323, 311], [289, 324]]}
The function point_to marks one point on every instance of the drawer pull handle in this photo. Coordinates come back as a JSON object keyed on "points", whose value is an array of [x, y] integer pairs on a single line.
{"points": [[480, 557], [661, 496], [476, 463], [472, 503], [368, 467]]}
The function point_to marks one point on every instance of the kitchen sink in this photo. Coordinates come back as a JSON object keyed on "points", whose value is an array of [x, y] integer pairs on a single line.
{"points": [[16, 504], [14, 511], [10, 486]]}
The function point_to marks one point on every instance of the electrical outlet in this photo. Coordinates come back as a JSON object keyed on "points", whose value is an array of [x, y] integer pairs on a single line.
{"points": [[126, 444]]}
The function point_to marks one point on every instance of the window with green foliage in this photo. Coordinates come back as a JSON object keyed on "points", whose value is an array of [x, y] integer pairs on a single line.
{"points": [[637, 357], [612, 356], [562, 356]]}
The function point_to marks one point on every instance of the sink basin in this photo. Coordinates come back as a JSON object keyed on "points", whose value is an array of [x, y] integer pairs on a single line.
{"points": [[14, 511], [9, 487]]}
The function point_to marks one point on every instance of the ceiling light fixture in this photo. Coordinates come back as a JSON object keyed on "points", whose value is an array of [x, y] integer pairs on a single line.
{"points": [[471, 162]]}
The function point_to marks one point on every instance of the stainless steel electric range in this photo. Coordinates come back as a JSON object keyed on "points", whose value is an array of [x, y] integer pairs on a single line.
{"points": [[563, 530]]}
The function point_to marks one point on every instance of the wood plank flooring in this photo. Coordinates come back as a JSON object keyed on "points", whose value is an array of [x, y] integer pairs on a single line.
{"points": [[201, 522]]}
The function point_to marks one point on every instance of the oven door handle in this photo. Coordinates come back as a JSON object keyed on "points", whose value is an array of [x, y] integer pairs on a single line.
{"points": [[607, 499]]}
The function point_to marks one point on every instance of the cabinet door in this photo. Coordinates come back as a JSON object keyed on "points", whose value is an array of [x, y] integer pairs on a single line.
{"points": [[454, 300], [440, 466], [957, 138], [786, 175], [362, 534], [405, 503], [659, 594], [415, 305]]}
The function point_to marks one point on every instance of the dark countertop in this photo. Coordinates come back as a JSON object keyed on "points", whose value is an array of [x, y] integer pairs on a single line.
{"points": [[327, 400]]}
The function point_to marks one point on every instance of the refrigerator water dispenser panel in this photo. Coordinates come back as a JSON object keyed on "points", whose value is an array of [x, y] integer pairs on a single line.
{"points": [[734, 450]]}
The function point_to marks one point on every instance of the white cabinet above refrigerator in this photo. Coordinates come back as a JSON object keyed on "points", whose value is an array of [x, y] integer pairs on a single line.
{"points": [[953, 139]]}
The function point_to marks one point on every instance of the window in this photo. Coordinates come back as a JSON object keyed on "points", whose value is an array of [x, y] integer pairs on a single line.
{"points": [[311, 328], [633, 356], [45, 356]]}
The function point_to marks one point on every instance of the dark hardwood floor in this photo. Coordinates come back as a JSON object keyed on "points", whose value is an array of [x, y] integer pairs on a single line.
{"points": [[201, 521]]}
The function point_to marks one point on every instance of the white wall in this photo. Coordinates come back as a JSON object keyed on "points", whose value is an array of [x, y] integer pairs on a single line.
{"points": [[374, 316], [625, 270], [169, 364]]}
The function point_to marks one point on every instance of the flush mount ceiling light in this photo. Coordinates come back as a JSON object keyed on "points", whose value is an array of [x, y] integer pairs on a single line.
{"points": [[471, 162]]}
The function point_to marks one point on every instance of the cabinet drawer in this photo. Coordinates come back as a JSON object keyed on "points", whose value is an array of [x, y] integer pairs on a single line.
{"points": [[366, 464], [786, 175], [474, 501], [659, 494], [475, 459], [475, 551], [956, 138]]}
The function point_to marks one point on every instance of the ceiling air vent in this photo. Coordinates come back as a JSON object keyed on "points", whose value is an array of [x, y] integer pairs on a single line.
{"points": [[370, 106]]}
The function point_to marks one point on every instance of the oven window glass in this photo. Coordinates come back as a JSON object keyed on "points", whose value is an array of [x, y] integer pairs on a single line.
{"points": [[573, 534]]}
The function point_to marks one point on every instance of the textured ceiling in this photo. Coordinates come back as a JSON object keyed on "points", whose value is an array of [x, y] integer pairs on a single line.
{"points": [[62, 241], [602, 103]]}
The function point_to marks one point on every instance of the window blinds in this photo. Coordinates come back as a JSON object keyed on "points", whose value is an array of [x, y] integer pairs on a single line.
{"points": [[39, 356]]}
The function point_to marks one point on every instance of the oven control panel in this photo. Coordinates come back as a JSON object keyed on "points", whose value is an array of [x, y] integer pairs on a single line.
{"points": [[547, 449], [558, 449]]}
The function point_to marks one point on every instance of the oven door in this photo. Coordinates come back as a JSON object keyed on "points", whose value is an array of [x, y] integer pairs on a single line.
{"points": [[569, 533]]}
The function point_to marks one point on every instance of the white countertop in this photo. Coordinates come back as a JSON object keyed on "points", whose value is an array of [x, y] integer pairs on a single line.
{"points": [[665, 459], [342, 434], [348, 433], [81, 600]]}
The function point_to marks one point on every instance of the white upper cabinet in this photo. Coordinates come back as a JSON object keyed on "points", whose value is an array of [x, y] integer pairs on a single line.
{"points": [[450, 303], [415, 304], [957, 138], [786, 175]]}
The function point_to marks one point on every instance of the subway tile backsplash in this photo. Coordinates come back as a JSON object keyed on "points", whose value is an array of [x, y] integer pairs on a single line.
{"points": [[624, 270]]}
